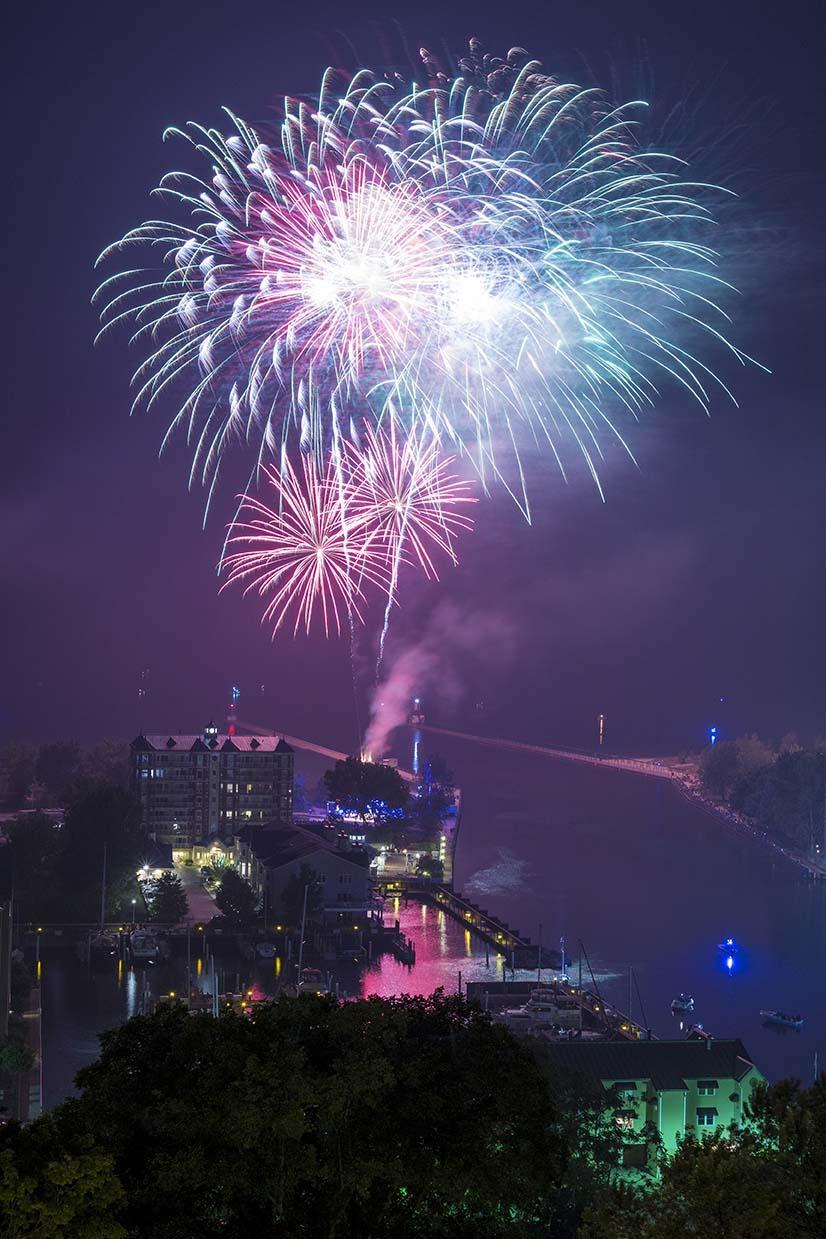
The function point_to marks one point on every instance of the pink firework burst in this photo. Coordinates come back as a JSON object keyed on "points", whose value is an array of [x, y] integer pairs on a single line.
{"points": [[307, 553], [404, 492]]}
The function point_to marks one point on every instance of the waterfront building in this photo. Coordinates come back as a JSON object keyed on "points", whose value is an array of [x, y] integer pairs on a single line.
{"points": [[197, 787], [280, 853], [666, 1087]]}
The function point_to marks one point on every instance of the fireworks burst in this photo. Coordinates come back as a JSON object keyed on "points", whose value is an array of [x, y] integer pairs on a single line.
{"points": [[405, 494], [330, 537], [487, 261], [304, 554]]}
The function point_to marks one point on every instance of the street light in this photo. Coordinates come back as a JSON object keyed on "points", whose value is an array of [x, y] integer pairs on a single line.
{"points": [[134, 901]]}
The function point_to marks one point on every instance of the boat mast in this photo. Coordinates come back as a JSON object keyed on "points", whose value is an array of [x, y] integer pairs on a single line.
{"points": [[301, 942], [103, 890]]}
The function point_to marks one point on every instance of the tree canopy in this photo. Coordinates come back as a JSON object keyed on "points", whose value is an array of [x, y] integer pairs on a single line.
{"points": [[235, 898], [380, 1118], [169, 903], [723, 764], [369, 789], [57, 871]]}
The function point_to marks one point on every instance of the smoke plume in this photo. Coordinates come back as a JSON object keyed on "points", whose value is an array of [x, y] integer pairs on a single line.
{"points": [[431, 664]]}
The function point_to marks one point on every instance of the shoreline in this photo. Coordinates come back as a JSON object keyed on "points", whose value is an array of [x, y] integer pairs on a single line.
{"points": [[652, 768]]}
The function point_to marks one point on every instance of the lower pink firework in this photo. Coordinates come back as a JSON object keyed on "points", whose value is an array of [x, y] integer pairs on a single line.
{"points": [[333, 535]]}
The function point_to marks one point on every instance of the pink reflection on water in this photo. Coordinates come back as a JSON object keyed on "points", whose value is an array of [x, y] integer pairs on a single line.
{"points": [[444, 948]]}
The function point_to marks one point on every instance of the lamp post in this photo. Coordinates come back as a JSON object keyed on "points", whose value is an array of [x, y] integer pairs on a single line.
{"points": [[134, 901]]}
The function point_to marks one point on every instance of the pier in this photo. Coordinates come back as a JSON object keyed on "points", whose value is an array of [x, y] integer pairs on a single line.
{"points": [[520, 951]]}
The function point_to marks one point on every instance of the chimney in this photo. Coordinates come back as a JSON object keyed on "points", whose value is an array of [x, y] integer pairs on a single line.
{"points": [[709, 1040]]}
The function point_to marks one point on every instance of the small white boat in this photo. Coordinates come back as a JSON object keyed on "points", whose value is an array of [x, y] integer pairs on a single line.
{"points": [[145, 947], [265, 950], [683, 1002], [783, 1019], [544, 1009]]}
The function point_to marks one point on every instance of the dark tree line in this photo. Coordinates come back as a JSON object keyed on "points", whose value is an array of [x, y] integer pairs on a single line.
{"points": [[57, 871], [783, 792], [383, 1118], [56, 773]]}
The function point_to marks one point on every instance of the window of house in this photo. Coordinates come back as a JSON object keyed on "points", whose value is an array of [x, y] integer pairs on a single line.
{"points": [[624, 1119], [706, 1116], [625, 1087], [707, 1088]]}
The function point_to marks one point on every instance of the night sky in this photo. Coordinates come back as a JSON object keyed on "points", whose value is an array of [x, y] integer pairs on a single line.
{"points": [[702, 575]]}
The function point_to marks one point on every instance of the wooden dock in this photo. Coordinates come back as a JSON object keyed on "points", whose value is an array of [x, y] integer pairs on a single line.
{"points": [[518, 950]]}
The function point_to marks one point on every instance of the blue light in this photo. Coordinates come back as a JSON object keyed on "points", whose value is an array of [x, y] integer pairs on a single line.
{"points": [[729, 962], [712, 735]]}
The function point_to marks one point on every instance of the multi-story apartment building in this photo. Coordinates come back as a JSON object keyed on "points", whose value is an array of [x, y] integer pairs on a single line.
{"points": [[197, 787]]}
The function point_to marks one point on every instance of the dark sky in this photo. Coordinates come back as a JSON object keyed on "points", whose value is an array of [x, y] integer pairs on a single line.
{"points": [[701, 576]]}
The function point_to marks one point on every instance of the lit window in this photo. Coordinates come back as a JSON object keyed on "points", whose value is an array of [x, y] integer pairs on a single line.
{"points": [[706, 1116], [624, 1119]]}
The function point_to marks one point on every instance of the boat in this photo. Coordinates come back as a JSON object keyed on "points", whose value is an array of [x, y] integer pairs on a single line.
{"points": [[146, 947], [404, 949], [543, 1010], [312, 982], [683, 1002], [783, 1019], [265, 950]]}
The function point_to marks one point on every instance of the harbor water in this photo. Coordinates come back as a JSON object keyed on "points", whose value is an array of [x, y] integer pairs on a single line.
{"points": [[648, 881]]}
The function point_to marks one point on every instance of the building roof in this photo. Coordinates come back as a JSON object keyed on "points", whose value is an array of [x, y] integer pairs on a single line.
{"points": [[667, 1064], [277, 845], [170, 743]]}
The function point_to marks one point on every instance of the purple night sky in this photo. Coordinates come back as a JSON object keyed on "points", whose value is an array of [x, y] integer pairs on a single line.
{"points": [[701, 577]]}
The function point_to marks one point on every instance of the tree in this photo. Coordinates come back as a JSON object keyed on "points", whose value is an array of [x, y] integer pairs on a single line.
{"points": [[169, 901], [587, 1127], [369, 789], [410, 1117], [100, 816], [56, 1186], [430, 867], [788, 798], [724, 764], [291, 903], [235, 898], [106, 762], [57, 766], [18, 760], [33, 844], [15, 1055]]}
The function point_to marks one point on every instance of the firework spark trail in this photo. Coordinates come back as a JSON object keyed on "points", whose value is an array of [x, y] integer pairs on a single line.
{"points": [[407, 497]]}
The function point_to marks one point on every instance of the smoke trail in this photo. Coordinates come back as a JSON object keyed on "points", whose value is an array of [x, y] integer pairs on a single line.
{"points": [[430, 663]]}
